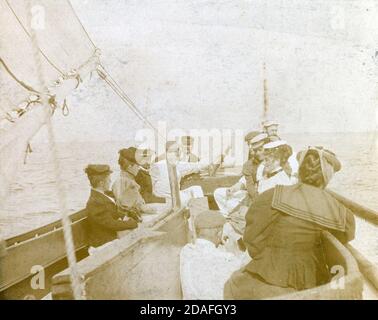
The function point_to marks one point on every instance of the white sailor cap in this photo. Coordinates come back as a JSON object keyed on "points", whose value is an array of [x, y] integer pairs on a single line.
{"points": [[269, 123], [258, 138], [275, 144]]}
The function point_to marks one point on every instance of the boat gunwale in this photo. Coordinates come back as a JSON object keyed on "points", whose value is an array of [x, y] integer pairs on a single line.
{"points": [[367, 214], [118, 249], [91, 266], [80, 216], [45, 264], [367, 268], [44, 230]]}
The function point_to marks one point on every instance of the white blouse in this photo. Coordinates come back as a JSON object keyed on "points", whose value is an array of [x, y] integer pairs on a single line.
{"points": [[281, 178]]}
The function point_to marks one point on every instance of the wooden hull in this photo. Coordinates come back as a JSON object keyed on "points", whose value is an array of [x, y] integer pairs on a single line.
{"points": [[142, 265], [41, 247], [45, 247], [147, 267]]}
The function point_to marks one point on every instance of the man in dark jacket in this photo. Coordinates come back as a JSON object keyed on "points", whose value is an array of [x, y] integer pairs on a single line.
{"points": [[104, 220]]}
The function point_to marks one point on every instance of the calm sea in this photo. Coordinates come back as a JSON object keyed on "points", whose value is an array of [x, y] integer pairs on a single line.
{"points": [[33, 198]]}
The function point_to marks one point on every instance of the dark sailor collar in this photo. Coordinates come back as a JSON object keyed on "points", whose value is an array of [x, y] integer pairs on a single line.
{"points": [[311, 204]]}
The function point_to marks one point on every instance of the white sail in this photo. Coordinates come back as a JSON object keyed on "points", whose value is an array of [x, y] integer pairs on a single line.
{"points": [[66, 56]]}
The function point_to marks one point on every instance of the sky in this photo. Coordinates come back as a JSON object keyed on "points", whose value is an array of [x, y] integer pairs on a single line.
{"points": [[199, 65]]}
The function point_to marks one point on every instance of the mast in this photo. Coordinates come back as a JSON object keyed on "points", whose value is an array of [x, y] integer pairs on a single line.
{"points": [[174, 185], [265, 97]]}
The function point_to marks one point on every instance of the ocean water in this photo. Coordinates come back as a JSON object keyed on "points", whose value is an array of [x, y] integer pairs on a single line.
{"points": [[33, 198]]}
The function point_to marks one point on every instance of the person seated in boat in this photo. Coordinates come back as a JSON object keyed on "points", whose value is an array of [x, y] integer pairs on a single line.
{"points": [[160, 177], [204, 266], [187, 154], [126, 190], [270, 127], [245, 190], [104, 218], [271, 172], [283, 232], [235, 207], [143, 177]]}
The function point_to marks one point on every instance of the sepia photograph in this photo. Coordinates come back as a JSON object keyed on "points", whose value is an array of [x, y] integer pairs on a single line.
{"points": [[188, 150]]}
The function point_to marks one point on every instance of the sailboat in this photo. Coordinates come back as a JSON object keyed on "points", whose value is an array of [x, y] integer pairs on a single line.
{"points": [[34, 85]]}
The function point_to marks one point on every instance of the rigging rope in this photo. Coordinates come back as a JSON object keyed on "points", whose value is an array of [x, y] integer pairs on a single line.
{"points": [[117, 89], [21, 83], [105, 75], [66, 222], [77, 18]]}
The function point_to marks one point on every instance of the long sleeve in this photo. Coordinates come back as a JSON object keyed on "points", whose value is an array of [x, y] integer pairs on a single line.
{"points": [[101, 216], [185, 168], [259, 216], [249, 173], [350, 229], [145, 181], [251, 187]]}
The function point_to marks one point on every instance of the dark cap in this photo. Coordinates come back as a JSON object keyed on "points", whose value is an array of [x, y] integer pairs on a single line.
{"points": [[209, 219], [97, 169], [128, 154]]}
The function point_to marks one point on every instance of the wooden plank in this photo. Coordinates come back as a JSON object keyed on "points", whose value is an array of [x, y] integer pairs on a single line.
{"points": [[209, 184], [21, 252], [43, 250], [23, 289], [365, 213], [367, 268], [174, 185], [42, 230], [3, 248], [123, 269]]}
